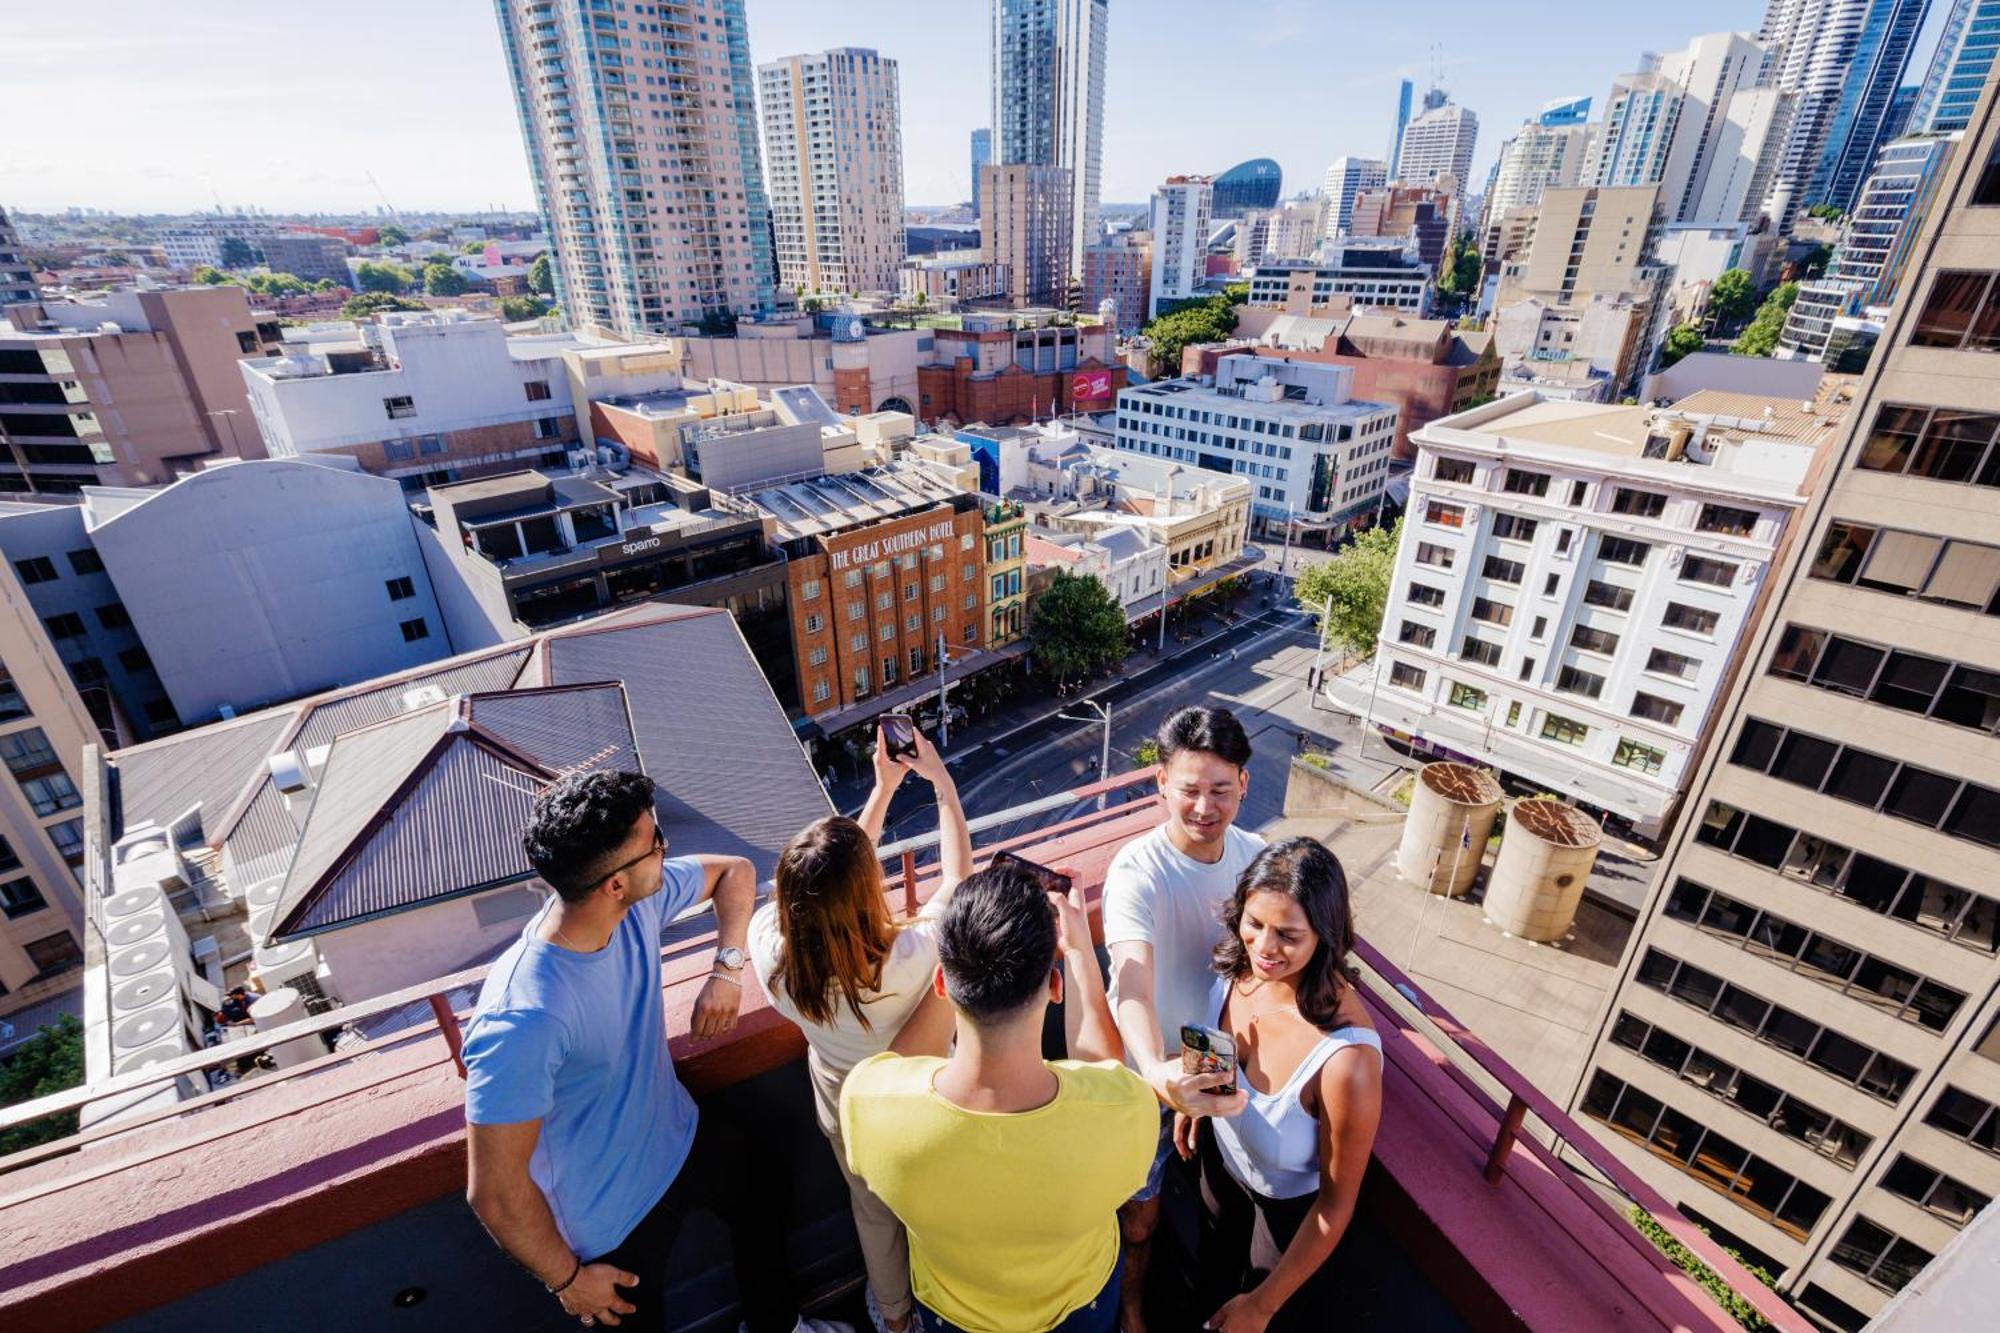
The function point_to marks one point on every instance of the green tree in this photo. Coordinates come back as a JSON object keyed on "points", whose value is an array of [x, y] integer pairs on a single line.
{"points": [[1761, 337], [209, 276], [1205, 321], [1460, 277], [1814, 261], [1077, 628], [1731, 298], [236, 253], [278, 284], [370, 303], [49, 1062], [1357, 581], [441, 279], [325, 285], [392, 235], [718, 322], [1733, 1302], [374, 277], [513, 308], [1682, 340], [541, 277], [472, 248]]}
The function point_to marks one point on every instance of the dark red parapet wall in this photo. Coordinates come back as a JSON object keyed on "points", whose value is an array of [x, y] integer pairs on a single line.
{"points": [[137, 1221]]}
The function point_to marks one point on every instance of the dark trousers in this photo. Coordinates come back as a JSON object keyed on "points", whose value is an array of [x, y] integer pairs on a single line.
{"points": [[1243, 1235], [721, 1176], [1100, 1315]]}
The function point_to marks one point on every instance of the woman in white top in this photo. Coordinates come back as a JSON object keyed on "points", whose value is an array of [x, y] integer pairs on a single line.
{"points": [[833, 960], [1279, 1180]]}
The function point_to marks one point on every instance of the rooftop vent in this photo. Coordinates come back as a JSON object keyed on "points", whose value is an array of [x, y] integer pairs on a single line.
{"points": [[288, 775], [423, 696]]}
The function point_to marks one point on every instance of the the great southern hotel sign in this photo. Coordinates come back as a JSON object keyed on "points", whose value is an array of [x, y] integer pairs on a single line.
{"points": [[890, 544]]}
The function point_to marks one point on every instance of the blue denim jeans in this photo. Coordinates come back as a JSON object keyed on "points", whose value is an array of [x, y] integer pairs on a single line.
{"points": [[1099, 1316]]}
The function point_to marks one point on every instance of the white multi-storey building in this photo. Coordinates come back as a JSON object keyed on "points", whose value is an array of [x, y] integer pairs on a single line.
{"points": [[1540, 157], [1439, 143], [1385, 274], [1345, 180], [1181, 210], [1574, 582], [642, 141], [1292, 429], [833, 144]]}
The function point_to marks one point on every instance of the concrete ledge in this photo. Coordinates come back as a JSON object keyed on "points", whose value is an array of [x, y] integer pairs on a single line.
{"points": [[1312, 790]]}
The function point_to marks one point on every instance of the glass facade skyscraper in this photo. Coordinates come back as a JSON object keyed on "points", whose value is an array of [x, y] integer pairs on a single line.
{"points": [[1048, 98], [1958, 72]]}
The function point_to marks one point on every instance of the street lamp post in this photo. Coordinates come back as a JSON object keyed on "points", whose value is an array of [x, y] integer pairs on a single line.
{"points": [[944, 705], [1104, 754], [1314, 681], [1166, 585], [1285, 556]]}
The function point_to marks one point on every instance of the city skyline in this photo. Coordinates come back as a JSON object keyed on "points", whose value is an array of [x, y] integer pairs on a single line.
{"points": [[308, 139]]}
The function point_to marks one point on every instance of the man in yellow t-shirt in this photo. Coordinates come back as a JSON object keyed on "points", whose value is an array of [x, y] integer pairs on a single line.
{"points": [[1007, 1169]]}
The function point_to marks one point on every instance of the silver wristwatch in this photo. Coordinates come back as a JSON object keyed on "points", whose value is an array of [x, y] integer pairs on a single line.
{"points": [[730, 958]]}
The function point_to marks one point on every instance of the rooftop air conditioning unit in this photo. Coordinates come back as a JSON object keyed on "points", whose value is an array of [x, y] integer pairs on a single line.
{"points": [[142, 993], [132, 902], [162, 925], [142, 959], [172, 1047], [278, 965], [163, 1022]]}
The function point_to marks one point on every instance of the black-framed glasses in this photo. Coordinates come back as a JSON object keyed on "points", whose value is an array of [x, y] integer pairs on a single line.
{"points": [[658, 848]]}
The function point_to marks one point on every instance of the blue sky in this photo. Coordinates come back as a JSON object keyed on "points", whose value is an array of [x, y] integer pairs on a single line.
{"points": [[290, 106]]}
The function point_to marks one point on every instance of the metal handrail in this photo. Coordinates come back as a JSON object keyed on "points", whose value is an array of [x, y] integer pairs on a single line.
{"points": [[1522, 1097]]}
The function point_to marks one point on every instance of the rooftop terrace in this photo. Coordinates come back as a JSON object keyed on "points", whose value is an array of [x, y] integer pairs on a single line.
{"points": [[220, 1209]]}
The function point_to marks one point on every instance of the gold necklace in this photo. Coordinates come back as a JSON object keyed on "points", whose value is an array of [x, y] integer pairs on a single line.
{"points": [[1245, 994]]}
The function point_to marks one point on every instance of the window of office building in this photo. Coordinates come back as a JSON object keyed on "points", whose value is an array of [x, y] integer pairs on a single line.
{"points": [[1421, 636], [1520, 481], [1563, 730], [1438, 557], [1492, 612], [1503, 571], [54, 954], [1444, 515], [18, 897], [1574, 680], [1652, 708], [1607, 595], [1512, 527], [1455, 470], [414, 630], [1422, 594], [1878, 1255], [1961, 311], [1466, 696], [1593, 640], [1692, 619], [1405, 676], [1715, 573], [1483, 651], [1726, 520], [1638, 757]]}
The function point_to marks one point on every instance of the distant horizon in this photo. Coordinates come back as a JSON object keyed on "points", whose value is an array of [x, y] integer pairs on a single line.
{"points": [[176, 119]]}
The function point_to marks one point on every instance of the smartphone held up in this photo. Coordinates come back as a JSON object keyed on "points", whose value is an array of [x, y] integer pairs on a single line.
{"points": [[899, 735], [1207, 1050], [1052, 881]]}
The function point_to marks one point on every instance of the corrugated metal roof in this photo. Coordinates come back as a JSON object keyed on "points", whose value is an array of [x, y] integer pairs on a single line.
{"points": [[459, 827], [564, 726], [732, 777], [362, 773], [213, 765], [260, 844], [362, 708]]}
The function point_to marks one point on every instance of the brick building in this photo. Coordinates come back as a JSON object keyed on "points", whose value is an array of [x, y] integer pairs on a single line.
{"points": [[881, 564], [1018, 366]]}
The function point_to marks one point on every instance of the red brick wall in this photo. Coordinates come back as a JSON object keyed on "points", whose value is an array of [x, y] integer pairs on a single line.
{"points": [[852, 391], [628, 431], [1012, 395]]}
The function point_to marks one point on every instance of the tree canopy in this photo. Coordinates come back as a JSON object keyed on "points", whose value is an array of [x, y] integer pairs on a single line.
{"points": [[1761, 337], [1206, 321], [1357, 580], [441, 279], [541, 278], [1461, 269], [1682, 340], [370, 303], [1077, 628], [49, 1062], [392, 235], [210, 276], [1731, 298], [375, 277], [515, 308]]}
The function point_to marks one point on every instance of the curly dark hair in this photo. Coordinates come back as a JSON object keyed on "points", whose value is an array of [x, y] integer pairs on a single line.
{"points": [[997, 943], [1306, 872], [578, 826]]}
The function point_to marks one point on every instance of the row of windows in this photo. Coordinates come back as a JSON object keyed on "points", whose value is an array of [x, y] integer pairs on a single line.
{"points": [[69, 625], [1780, 1110], [1876, 782], [40, 569], [1840, 1056], [1894, 990], [1723, 520], [1911, 564], [1963, 1116], [1967, 918], [1879, 1256], [1933, 687], [1770, 1192]]}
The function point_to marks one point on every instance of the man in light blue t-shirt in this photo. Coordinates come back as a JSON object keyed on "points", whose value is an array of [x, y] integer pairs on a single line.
{"points": [[585, 1152]]}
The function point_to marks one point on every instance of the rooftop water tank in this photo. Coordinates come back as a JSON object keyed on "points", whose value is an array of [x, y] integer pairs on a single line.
{"points": [[274, 1010], [1452, 809], [1546, 855]]}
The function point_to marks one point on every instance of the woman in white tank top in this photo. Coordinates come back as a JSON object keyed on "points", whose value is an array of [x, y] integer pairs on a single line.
{"points": [[1279, 1181]]}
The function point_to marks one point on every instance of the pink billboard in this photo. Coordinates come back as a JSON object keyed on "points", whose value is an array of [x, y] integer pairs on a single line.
{"points": [[1086, 385]]}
